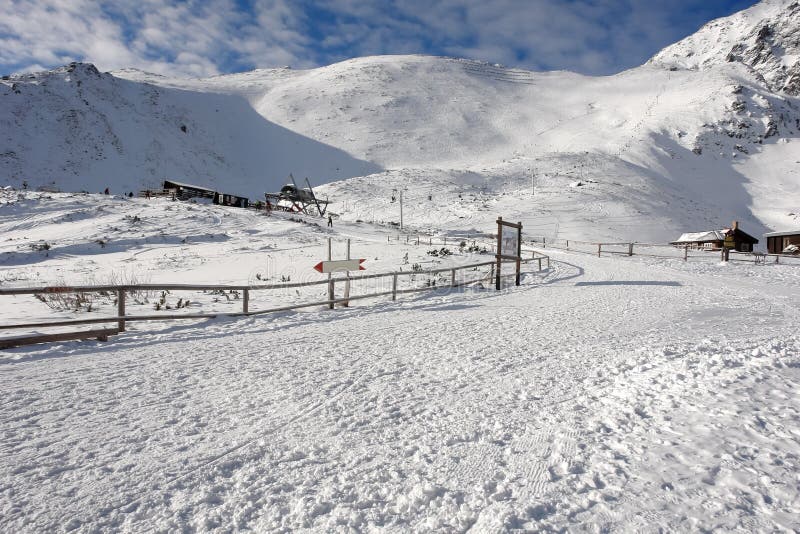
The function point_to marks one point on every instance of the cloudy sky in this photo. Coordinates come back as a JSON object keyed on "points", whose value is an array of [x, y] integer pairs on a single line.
{"points": [[206, 37]]}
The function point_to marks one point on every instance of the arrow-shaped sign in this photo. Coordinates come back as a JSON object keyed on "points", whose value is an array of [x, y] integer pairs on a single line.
{"points": [[336, 266]]}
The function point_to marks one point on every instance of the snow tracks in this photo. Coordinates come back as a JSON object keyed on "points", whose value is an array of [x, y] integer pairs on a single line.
{"points": [[613, 404]]}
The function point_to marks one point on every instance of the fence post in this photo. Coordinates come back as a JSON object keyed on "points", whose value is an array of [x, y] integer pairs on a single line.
{"points": [[544, 242], [121, 309], [548, 262], [452, 277], [246, 301], [394, 286], [406, 238], [567, 244], [540, 264], [599, 249], [430, 241], [685, 252], [417, 240], [346, 303], [630, 249]]}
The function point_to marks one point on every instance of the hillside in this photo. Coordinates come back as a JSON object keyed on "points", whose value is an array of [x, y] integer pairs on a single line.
{"points": [[657, 150], [77, 129]]}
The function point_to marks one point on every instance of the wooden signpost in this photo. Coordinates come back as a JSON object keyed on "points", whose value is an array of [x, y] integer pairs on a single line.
{"points": [[509, 247], [338, 266], [727, 245]]}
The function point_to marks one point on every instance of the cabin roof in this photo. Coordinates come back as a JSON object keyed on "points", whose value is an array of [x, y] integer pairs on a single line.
{"points": [[698, 237], [191, 186], [784, 233]]}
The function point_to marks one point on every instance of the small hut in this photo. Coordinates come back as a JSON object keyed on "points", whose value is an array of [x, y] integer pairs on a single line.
{"points": [[224, 199], [186, 191], [715, 239], [783, 242]]}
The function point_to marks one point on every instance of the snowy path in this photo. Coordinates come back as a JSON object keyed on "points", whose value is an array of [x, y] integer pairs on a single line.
{"points": [[606, 393]]}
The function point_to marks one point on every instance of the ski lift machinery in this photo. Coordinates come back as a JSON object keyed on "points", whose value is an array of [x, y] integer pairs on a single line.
{"points": [[300, 199]]}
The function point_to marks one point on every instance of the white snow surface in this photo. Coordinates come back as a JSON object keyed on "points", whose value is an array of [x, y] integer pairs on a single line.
{"points": [[613, 393], [617, 393]]}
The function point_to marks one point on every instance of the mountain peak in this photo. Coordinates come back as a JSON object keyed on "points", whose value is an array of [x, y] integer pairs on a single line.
{"points": [[765, 38]]}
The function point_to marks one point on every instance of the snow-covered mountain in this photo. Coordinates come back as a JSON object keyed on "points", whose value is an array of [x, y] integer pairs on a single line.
{"points": [[75, 129], [704, 133], [765, 38]]}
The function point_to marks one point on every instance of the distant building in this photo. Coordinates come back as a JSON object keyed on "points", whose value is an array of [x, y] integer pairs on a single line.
{"points": [[778, 242], [230, 200], [185, 191], [715, 239]]}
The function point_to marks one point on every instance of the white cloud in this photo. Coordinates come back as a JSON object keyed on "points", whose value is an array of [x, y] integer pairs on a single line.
{"points": [[205, 37]]}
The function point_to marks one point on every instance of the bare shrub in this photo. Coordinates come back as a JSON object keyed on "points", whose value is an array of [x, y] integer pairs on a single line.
{"points": [[85, 301]]}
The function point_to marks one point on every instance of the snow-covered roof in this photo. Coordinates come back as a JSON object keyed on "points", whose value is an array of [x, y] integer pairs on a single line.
{"points": [[191, 186], [694, 237], [780, 234]]}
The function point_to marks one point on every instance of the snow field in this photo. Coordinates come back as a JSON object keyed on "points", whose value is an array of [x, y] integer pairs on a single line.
{"points": [[76, 239], [606, 393]]}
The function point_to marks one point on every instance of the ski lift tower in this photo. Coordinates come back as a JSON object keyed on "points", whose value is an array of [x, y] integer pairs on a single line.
{"points": [[299, 200], [401, 204]]}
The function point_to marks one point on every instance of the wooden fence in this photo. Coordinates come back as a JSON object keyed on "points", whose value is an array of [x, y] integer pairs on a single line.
{"points": [[658, 250], [121, 290]]}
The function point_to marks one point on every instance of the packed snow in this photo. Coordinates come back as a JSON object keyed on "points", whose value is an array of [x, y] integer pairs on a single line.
{"points": [[621, 393]]}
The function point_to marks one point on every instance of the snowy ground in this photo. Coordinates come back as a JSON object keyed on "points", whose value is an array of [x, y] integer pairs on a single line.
{"points": [[618, 393]]}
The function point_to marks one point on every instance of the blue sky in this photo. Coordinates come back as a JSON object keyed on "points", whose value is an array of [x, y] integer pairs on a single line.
{"points": [[206, 37]]}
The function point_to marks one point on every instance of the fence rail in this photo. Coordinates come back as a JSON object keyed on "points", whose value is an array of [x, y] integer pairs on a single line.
{"points": [[684, 252], [120, 290]]}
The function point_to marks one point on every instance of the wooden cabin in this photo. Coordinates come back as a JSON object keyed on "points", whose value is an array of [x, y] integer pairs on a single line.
{"points": [[186, 191], [715, 239], [224, 199], [778, 242]]}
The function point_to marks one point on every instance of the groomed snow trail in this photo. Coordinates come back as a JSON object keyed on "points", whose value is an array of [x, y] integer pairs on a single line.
{"points": [[606, 393]]}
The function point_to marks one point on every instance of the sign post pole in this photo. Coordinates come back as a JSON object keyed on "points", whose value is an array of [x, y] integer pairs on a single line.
{"points": [[499, 252], [727, 245], [330, 278], [519, 252]]}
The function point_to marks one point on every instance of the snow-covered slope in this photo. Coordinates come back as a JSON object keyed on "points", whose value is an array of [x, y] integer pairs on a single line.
{"points": [[76, 129], [658, 150]]}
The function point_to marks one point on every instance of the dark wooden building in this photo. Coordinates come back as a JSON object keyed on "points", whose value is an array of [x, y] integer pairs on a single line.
{"points": [[230, 200], [187, 191], [778, 242], [715, 239]]}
